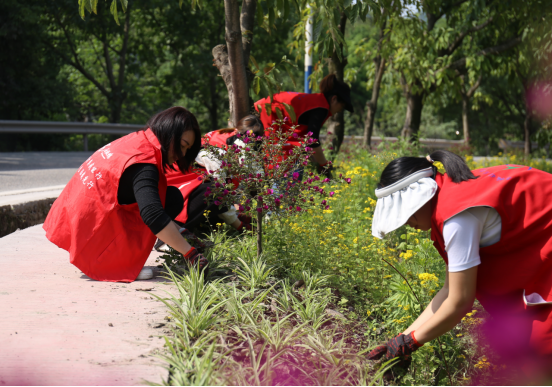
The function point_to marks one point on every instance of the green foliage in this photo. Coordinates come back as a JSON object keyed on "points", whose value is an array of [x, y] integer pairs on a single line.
{"points": [[323, 293]]}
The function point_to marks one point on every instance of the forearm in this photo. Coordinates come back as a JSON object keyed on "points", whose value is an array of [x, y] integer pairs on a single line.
{"points": [[429, 311], [447, 316], [318, 156], [171, 236]]}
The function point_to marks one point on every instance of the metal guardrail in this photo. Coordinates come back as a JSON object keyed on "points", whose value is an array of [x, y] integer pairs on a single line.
{"points": [[84, 128]]}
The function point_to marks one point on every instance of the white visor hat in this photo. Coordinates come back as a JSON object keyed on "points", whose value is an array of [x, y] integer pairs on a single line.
{"points": [[399, 201]]}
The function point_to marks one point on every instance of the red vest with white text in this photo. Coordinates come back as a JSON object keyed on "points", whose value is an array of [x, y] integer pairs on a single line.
{"points": [[301, 103], [522, 259], [186, 183], [106, 240]]}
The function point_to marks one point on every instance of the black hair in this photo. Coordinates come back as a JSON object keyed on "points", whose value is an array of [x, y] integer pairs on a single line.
{"points": [[456, 167], [330, 86], [246, 124], [168, 126]]}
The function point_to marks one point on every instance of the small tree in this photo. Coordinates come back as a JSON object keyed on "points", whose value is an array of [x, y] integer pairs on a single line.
{"points": [[256, 177]]}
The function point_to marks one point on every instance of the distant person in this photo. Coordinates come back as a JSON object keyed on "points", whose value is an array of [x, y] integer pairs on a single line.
{"points": [[192, 189], [311, 112], [493, 228], [118, 202]]}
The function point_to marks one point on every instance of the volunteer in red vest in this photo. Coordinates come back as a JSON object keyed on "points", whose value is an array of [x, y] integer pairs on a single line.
{"points": [[110, 212], [311, 112], [193, 189], [493, 228]]}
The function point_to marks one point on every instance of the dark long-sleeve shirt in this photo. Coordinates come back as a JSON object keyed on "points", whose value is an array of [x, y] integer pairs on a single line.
{"points": [[314, 119]]}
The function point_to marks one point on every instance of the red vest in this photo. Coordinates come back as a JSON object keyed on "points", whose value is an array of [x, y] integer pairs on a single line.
{"points": [[186, 183], [301, 103], [522, 259], [106, 240], [218, 137]]}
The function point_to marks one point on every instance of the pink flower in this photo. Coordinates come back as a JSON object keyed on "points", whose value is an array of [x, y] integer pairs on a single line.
{"points": [[259, 175], [332, 194], [225, 192], [316, 178], [307, 149], [277, 202], [298, 208], [238, 135], [242, 208], [217, 185], [310, 134], [270, 191], [327, 208], [265, 207], [259, 209], [295, 135], [290, 151], [277, 166], [311, 199], [248, 201], [326, 180], [305, 162], [247, 208], [247, 149], [348, 180], [310, 140], [200, 178], [217, 203], [295, 175], [286, 119], [324, 202], [285, 175], [246, 140]]}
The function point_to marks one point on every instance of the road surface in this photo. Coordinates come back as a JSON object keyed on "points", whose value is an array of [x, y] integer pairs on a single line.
{"points": [[21, 171]]}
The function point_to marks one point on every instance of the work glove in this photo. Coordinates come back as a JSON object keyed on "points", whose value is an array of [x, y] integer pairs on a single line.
{"points": [[325, 170], [194, 258], [194, 241], [401, 345]]}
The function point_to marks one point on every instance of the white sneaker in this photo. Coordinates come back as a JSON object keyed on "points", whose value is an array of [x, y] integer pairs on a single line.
{"points": [[145, 274]]}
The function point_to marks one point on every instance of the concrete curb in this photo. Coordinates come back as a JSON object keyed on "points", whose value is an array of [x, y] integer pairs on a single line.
{"points": [[20, 216]]}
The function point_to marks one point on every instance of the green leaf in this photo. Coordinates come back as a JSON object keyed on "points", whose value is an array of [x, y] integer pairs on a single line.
{"points": [[268, 109], [290, 111], [113, 10], [260, 16], [286, 10], [257, 85], [94, 6], [124, 5], [254, 62], [290, 73], [82, 7], [279, 113]]}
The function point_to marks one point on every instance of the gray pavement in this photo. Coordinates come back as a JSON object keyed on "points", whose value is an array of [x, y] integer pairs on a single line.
{"points": [[20, 171]]}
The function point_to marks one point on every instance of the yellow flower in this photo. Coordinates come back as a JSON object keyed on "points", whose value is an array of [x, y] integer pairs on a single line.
{"points": [[386, 276], [368, 313], [459, 335]]}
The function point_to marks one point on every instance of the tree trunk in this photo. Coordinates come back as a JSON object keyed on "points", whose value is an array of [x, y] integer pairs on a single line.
{"points": [[527, 133], [414, 107], [259, 234], [336, 124], [372, 104], [465, 123], [220, 57], [247, 21], [466, 95], [240, 89]]}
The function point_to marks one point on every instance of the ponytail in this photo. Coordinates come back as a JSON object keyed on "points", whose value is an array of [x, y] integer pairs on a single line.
{"points": [[398, 169]]}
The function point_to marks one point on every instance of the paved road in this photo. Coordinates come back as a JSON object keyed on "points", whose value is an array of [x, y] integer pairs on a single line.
{"points": [[27, 170], [58, 327]]}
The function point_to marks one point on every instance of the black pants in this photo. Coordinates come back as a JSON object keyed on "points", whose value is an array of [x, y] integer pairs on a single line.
{"points": [[197, 206]]}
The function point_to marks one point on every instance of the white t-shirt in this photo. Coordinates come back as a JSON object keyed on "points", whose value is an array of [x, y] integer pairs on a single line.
{"points": [[466, 232]]}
